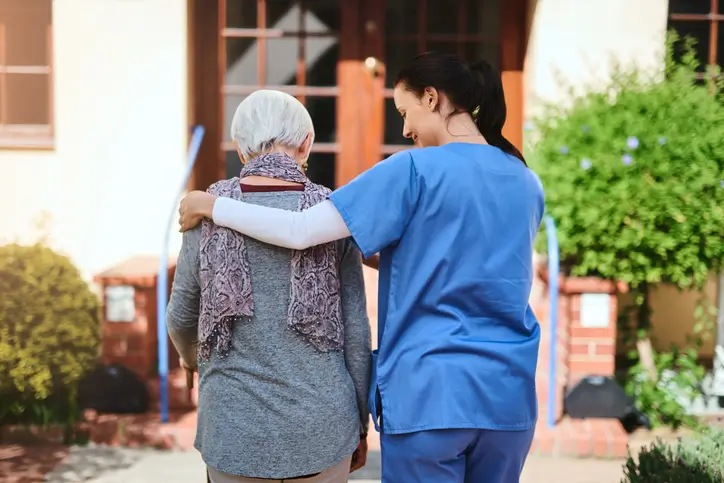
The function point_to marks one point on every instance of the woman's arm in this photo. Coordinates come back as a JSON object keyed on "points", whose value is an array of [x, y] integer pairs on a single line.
{"points": [[374, 208], [296, 230]]}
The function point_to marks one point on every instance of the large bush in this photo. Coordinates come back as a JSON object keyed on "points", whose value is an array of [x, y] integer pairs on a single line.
{"points": [[634, 177], [49, 333], [692, 460]]}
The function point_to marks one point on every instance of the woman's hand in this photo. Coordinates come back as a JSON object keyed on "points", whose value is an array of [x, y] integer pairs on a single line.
{"points": [[194, 207], [373, 261], [359, 457]]}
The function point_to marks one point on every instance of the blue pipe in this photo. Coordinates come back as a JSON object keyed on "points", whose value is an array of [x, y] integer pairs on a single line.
{"points": [[553, 271], [162, 280]]}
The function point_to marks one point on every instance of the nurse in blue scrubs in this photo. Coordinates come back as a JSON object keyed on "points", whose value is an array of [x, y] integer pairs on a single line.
{"points": [[453, 220]]}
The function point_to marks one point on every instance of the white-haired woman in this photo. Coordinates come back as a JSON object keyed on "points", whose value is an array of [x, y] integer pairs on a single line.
{"points": [[281, 337]]}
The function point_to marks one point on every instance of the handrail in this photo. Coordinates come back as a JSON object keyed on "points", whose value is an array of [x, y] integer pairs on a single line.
{"points": [[553, 271], [162, 280]]}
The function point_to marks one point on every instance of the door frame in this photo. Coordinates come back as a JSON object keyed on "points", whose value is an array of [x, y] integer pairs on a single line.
{"points": [[205, 89]]}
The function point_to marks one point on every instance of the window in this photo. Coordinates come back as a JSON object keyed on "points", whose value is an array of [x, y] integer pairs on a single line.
{"points": [[703, 21], [25, 74]]}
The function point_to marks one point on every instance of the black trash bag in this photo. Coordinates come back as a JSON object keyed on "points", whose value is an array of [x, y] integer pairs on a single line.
{"points": [[634, 420], [597, 397], [113, 389]]}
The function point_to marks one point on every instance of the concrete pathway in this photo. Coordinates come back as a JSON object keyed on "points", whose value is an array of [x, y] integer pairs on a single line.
{"points": [[98, 464]]}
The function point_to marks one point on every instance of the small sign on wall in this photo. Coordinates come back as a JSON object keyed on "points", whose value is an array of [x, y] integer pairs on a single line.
{"points": [[120, 304], [595, 310]]}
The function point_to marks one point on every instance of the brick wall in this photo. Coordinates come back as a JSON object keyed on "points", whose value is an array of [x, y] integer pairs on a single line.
{"points": [[581, 350], [134, 343]]}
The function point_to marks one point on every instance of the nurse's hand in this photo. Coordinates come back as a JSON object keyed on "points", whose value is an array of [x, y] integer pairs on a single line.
{"points": [[373, 261], [194, 207], [359, 457]]}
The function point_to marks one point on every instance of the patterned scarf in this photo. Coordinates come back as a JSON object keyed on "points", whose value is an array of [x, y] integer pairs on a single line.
{"points": [[226, 295]]}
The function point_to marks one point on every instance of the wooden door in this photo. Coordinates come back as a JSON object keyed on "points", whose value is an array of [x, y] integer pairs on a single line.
{"points": [[240, 46]]}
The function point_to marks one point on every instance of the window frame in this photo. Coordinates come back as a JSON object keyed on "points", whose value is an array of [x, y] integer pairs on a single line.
{"points": [[715, 20], [28, 136]]}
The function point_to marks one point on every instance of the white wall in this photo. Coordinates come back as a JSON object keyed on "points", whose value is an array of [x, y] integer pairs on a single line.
{"points": [[121, 132], [578, 38]]}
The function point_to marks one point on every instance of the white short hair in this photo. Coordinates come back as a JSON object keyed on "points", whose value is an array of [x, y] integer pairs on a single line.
{"points": [[269, 118]]}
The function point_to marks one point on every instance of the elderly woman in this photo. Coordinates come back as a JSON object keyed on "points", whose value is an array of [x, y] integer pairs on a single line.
{"points": [[281, 336]]}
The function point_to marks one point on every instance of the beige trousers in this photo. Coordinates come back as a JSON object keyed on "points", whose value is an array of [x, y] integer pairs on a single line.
{"points": [[339, 473]]}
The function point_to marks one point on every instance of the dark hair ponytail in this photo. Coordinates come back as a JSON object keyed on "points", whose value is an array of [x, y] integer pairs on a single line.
{"points": [[476, 89], [490, 112]]}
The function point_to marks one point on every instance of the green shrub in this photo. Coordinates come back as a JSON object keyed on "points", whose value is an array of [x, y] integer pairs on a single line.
{"points": [[634, 178], [692, 460], [49, 334], [676, 385]]}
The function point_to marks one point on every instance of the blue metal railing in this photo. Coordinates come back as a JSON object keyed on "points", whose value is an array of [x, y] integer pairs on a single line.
{"points": [[553, 271], [162, 281]]}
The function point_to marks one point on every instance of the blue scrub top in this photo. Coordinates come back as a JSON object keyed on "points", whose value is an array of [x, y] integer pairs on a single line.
{"points": [[458, 341]]}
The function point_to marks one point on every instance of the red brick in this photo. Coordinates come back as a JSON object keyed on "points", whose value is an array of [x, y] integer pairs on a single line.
{"points": [[575, 303], [579, 285], [114, 347], [122, 328], [136, 344], [601, 446], [608, 333], [580, 349], [600, 365], [607, 348]]}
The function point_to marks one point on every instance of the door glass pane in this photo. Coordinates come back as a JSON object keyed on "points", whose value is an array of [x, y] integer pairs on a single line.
{"points": [[241, 14], [483, 17], [322, 169], [283, 14], [282, 57], [442, 16], [477, 51], [232, 163], [241, 61], [28, 99], [446, 47], [699, 31], [322, 62], [397, 55], [231, 102], [323, 111], [393, 125], [281, 61], [401, 16], [690, 6], [322, 16]]}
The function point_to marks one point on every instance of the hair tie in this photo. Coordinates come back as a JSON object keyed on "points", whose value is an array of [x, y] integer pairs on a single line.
{"points": [[475, 113]]}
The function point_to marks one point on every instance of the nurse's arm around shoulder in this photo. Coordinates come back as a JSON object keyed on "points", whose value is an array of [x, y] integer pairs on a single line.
{"points": [[374, 208]]}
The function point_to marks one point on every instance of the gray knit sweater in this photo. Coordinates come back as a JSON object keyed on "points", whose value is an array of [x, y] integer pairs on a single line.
{"points": [[274, 407]]}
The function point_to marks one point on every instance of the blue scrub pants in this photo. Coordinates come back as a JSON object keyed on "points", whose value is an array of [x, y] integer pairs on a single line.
{"points": [[455, 456]]}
